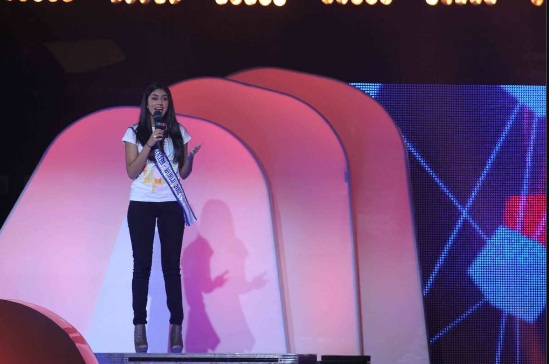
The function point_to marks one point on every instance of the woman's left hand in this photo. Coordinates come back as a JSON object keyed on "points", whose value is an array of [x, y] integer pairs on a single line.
{"points": [[194, 151]]}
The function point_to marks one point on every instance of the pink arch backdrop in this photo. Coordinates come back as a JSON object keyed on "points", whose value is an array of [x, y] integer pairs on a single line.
{"points": [[301, 191], [389, 289]]}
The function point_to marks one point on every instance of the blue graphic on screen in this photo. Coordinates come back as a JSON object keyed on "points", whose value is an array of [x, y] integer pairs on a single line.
{"points": [[478, 176], [510, 272]]}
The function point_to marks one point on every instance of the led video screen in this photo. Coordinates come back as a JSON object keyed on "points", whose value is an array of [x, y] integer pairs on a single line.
{"points": [[477, 158]]}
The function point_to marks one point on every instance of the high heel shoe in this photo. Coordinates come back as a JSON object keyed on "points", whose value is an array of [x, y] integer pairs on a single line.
{"points": [[140, 338], [176, 339]]}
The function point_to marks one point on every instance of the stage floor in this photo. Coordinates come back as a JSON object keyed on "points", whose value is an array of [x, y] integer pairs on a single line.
{"points": [[119, 358]]}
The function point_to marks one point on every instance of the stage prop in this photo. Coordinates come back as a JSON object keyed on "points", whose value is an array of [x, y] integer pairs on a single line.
{"points": [[386, 261], [386, 269], [302, 198], [32, 334], [305, 171]]}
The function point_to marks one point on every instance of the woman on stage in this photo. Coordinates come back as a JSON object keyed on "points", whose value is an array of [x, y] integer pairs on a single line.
{"points": [[156, 157]]}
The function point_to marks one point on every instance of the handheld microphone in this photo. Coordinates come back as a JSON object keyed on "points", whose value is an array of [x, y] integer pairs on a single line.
{"points": [[159, 120], [159, 124]]}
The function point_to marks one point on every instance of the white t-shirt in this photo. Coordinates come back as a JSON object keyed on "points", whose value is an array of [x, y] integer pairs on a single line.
{"points": [[150, 186]]}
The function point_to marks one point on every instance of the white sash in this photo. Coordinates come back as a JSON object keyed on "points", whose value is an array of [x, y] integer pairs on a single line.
{"points": [[166, 170]]}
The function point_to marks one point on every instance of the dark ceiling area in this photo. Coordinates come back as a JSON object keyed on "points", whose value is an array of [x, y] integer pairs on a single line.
{"points": [[61, 62]]}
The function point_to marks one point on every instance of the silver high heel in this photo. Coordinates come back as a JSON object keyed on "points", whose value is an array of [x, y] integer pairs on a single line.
{"points": [[176, 339], [140, 338]]}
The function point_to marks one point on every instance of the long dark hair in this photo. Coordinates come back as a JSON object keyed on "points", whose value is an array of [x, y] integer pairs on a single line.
{"points": [[144, 130]]}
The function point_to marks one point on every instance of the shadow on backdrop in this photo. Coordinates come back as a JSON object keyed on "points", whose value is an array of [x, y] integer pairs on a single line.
{"points": [[198, 281]]}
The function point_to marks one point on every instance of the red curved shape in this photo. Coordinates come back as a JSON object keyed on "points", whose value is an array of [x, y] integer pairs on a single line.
{"points": [[32, 334], [526, 214]]}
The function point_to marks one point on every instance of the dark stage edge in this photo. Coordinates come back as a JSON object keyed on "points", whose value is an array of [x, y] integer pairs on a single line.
{"points": [[119, 358]]}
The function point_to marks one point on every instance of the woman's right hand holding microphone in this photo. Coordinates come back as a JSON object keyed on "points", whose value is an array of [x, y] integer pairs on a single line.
{"points": [[156, 136]]}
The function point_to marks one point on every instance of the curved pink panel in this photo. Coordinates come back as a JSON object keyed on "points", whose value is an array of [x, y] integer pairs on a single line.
{"points": [[305, 168], [32, 334], [57, 241], [391, 309], [66, 246]]}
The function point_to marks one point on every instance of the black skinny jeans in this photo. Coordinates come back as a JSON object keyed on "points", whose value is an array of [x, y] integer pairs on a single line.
{"points": [[142, 218]]}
